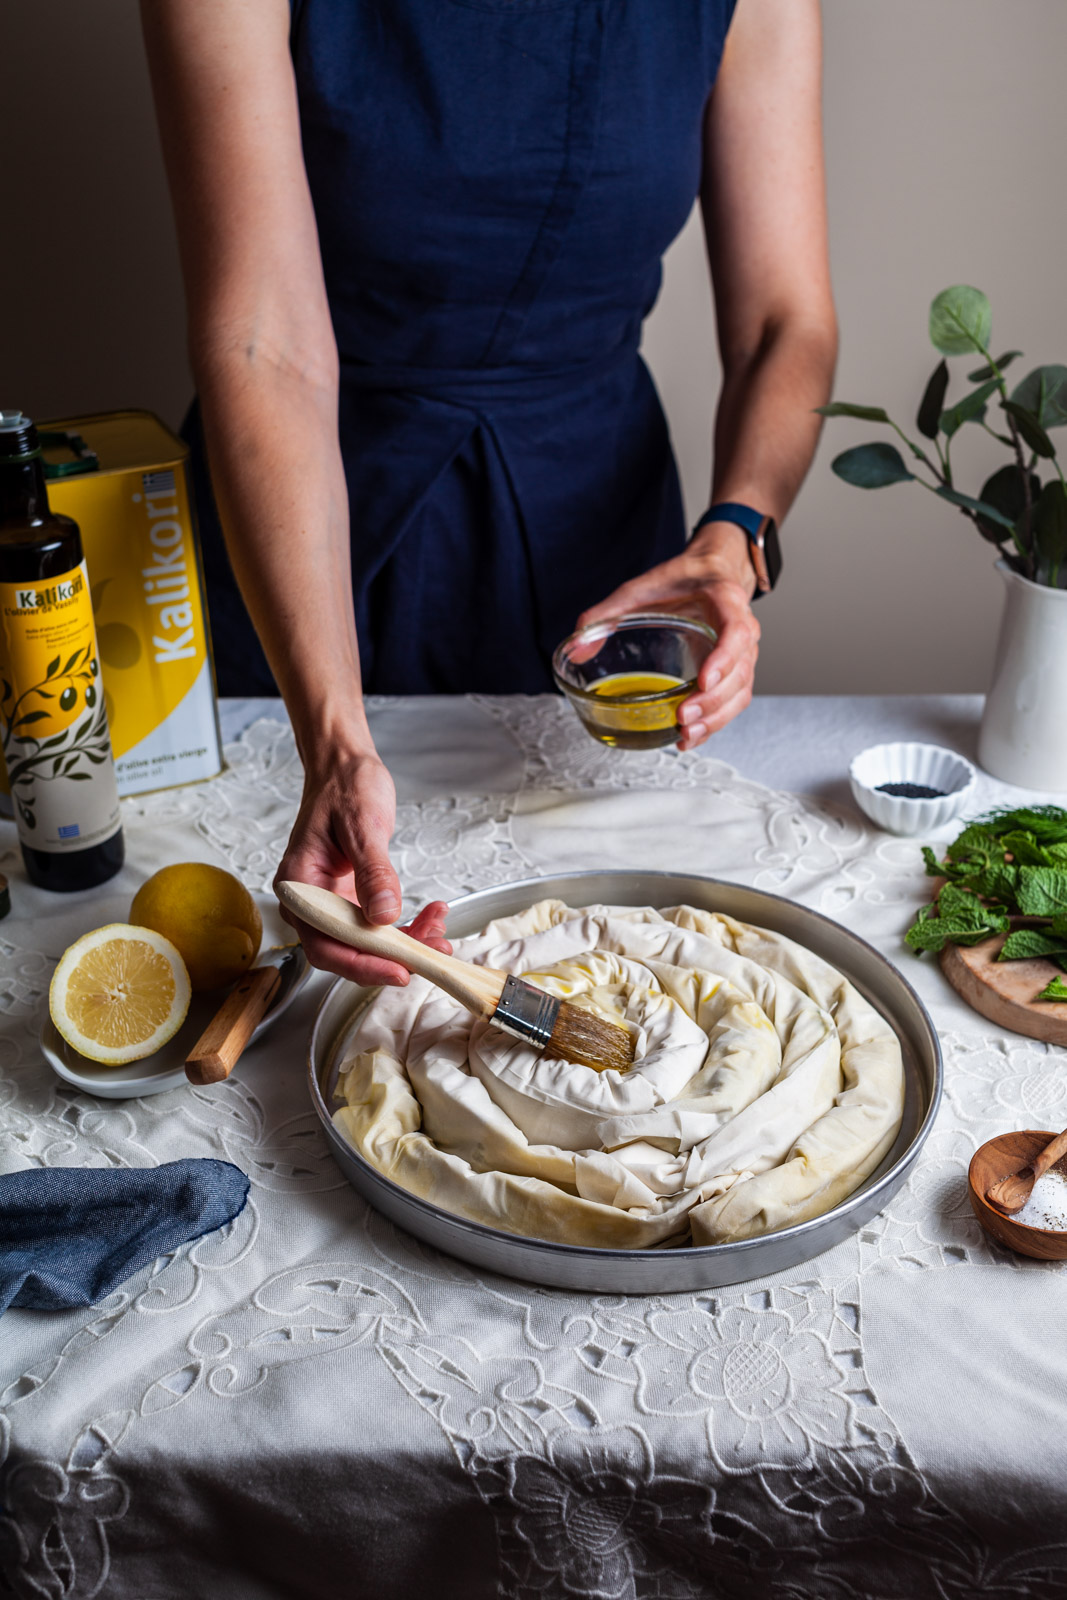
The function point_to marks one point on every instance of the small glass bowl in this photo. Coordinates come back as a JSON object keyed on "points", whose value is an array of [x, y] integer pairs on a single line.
{"points": [[591, 668]]}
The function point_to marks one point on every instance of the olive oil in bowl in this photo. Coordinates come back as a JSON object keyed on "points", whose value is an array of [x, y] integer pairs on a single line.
{"points": [[627, 676], [635, 710]]}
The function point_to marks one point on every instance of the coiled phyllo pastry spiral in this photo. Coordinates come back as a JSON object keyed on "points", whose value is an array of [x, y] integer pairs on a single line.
{"points": [[764, 1087]]}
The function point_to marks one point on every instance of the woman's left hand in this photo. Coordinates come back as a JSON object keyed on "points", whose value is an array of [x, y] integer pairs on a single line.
{"points": [[714, 579]]}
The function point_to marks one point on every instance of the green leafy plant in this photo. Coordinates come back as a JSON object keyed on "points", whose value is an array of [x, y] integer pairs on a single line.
{"points": [[1009, 865], [1025, 517]]}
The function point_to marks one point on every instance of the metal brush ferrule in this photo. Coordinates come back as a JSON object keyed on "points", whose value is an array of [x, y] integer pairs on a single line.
{"points": [[526, 1012]]}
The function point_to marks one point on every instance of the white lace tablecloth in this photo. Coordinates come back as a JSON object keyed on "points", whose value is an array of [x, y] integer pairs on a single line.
{"points": [[309, 1403]]}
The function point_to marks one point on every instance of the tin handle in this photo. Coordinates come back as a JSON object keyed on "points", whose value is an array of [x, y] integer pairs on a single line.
{"points": [[85, 458]]}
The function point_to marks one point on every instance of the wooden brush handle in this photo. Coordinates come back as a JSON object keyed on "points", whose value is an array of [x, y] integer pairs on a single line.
{"points": [[220, 1046], [476, 988]]}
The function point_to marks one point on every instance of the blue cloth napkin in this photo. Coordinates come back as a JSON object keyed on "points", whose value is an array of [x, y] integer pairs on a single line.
{"points": [[70, 1235]]}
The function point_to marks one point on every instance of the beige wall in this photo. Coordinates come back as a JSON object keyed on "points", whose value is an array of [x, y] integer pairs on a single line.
{"points": [[945, 165]]}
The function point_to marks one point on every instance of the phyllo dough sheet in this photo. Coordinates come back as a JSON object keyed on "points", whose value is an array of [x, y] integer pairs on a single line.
{"points": [[764, 1087]]}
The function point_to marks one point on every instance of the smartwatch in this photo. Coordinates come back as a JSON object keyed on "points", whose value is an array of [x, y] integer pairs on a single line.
{"points": [[763, 545]]}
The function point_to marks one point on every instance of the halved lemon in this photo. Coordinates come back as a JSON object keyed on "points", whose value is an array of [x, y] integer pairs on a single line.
{"points": [[119, 993]]}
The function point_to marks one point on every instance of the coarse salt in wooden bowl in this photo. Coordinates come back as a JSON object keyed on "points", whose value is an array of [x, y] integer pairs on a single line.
{"points": [[996, 1159]]}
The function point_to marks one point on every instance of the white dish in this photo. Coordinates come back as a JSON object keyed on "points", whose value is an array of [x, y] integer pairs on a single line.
{"points": [[164, 1070], [928, 764]]}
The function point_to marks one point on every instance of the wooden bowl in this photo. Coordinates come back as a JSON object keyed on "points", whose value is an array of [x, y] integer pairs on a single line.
{"points": [[999, 1158]]}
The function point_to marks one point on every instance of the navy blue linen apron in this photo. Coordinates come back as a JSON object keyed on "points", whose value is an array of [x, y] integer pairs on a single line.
{"points": [[494, 182]]}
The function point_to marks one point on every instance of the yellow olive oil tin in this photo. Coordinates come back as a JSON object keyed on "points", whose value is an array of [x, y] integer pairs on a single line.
{"points": [[122, 477]]}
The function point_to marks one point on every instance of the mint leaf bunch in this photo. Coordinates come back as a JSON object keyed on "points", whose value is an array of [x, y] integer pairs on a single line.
{"points": [[961, 918], [1010, 863]]}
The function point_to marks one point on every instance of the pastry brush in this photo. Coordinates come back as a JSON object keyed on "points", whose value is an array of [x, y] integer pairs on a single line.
{"points": [[556, 1026]]}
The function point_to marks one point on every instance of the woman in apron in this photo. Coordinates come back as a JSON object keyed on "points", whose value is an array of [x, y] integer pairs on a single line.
{"points": [[419, 239]]}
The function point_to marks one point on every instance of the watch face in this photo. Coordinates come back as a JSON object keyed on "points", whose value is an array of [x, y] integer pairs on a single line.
{"points": [[772, 551]]}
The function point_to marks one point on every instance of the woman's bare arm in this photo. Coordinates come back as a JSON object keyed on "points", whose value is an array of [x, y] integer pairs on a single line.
{"points": [[265, 364], [764, 205]]}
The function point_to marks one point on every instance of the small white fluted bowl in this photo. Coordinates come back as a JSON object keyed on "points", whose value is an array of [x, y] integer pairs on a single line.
{"points": [[928, 764]]}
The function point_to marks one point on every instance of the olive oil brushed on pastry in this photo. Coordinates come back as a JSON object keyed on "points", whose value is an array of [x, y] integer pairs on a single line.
{"points": [[570, 1032]]}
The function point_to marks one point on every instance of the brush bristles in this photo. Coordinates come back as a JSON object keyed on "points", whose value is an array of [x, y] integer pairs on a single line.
{"points": [[584, 1036]]}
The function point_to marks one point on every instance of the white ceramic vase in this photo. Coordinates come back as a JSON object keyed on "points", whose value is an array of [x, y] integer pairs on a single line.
{"points": [[1024, 728]]}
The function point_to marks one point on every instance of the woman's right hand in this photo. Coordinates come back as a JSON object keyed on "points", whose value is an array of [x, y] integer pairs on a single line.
{"points": [[340, 841]]}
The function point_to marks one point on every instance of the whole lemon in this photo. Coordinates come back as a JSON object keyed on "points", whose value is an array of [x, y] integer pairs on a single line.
{"points": [[207, 914]]}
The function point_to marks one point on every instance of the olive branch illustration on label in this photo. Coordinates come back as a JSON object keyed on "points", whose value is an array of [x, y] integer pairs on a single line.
{"points": [[71, 753]]}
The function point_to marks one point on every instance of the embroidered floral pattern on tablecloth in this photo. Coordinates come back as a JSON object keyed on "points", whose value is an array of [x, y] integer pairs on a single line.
{"points": [[726, 1444], [803, 846], [451, 847]]}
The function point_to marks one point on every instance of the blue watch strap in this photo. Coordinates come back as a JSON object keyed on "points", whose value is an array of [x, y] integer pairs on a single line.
{"points": [[733, 511], [762, 535]]}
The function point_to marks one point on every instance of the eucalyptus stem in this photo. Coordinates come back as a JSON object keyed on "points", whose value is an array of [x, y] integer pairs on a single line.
{"points": [[932, 489], [1028, 499], [1024, 471], [1002, 382], [970, 515], [1001, 438], [917, 451], [1021, 549]]}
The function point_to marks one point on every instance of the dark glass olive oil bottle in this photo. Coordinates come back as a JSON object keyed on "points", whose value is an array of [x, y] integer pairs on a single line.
{"points": [[53, 723]]}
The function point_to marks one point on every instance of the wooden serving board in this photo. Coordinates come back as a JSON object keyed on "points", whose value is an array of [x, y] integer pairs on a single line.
{"points": [[1004, 991]]}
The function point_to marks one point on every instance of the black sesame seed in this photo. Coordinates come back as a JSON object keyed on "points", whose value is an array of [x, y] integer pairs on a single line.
{"points": [[911, 791]]}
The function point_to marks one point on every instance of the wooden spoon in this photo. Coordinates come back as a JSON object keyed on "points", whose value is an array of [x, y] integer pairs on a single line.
{"points": [[1012, 1192]]}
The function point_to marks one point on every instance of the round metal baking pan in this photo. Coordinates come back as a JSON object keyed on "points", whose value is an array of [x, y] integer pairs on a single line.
{"points": [[668, 1270]]}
